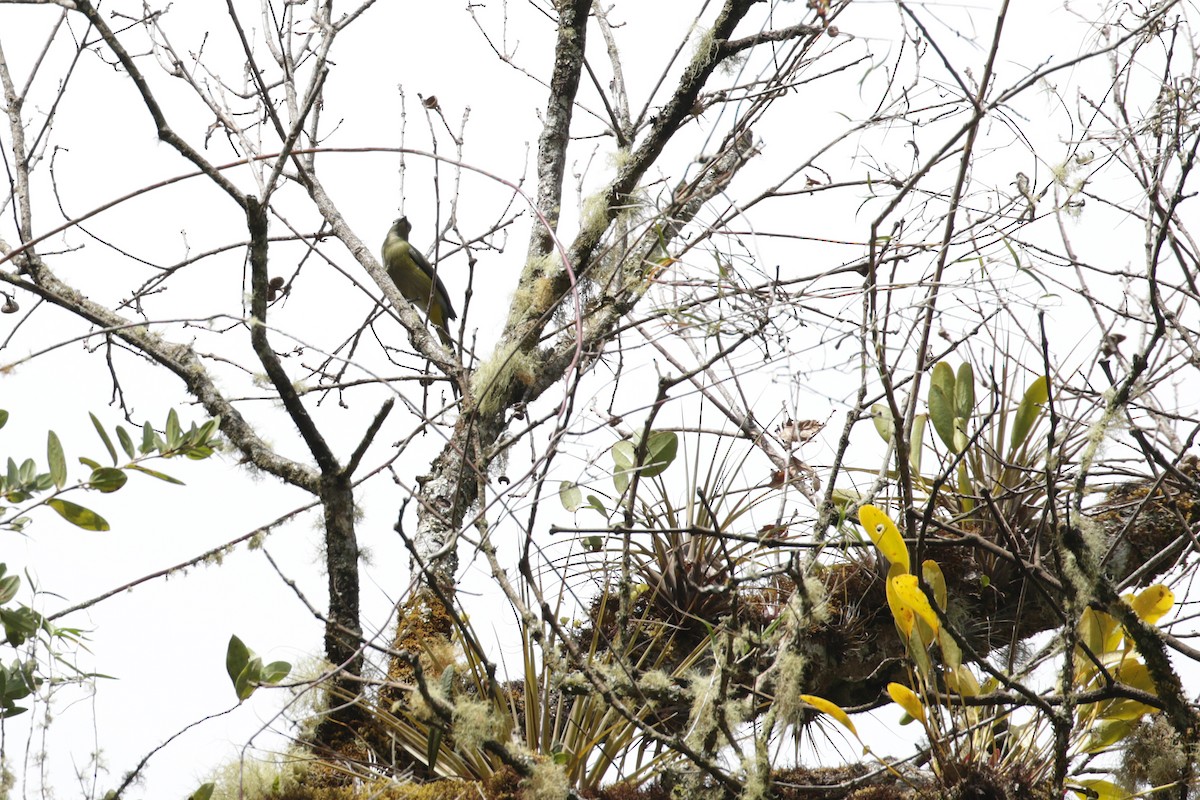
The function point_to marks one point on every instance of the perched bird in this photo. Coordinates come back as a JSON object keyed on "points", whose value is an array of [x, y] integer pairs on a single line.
{"points": [[415, 279]]}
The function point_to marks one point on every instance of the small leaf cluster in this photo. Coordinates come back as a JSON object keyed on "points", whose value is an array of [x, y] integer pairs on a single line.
{"points": [[19, 679], [661, 449], [20, 483], [247, 670]]}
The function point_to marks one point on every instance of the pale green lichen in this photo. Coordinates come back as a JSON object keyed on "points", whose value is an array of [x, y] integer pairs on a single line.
{"points": [[702, 720], [475, 724], [1154, 755], [656, 682], [757, 781], [789, 685], [547, 781], [492, 382]]}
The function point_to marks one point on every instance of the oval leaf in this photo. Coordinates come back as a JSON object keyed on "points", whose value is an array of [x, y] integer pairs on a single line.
{"points": [[917, 443], [941, 413], [126, 442], [56, 459], [237, 655], [931, 571], [881, 416], [964, 391], [905, 617], [205, 792], [1153, 602], [661, 448], [908, 700], [832, 709], [156, 474], [909, 594], [570, 496], [107, 479], [1029, 411], [884, 534], [1100, 790], [104, 437], [77, 515]]}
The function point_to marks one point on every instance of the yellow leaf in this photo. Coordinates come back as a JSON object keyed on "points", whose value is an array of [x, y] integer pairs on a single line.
{"points": [[833, 710], [1103, 790], [1153, 602], [910, 595], [963, 681], [932, 572], [1099, 632], [1105, 733], [904, 616], [951, 653], [884, 534], [908, 700]]}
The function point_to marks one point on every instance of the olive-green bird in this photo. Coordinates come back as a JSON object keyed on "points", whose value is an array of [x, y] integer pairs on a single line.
{"points": [[415, 279]]}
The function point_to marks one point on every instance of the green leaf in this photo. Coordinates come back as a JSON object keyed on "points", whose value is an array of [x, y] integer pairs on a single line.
{"points": [[570, 496], [112, 452], [13, 475], [249, 678], [156, 474], [107, 479], [941, 413], [87, 462], [56, 459], [148, 439], [237, 656], [943, 378], [20, 624], [964, 391], [916, 445], [3, 418], [661, 448], [174, 434], [205, 792], [960, 435], [1029, 411], [845, 499], [126, 442], [28, 471], [881, 416], [77, 515], [9, 585], [595, 504], [208, 431], [274, 672], [623, 453], [198, 452]]}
